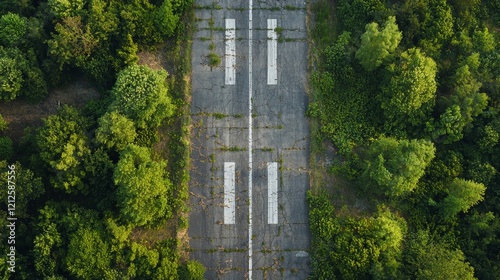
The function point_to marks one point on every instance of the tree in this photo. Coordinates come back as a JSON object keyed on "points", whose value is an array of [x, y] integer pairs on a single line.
{"points": [[63, 147], [427, 259], [128, 51], [28, 188], [142, 186], [103, 19], [142, 261], [429, 24], [462, 195], [465, 103], [450, 124], [88, 254], [466, 94], [66, 8], [192, 270], [3, 123], [20, 74], [483, 41], [73, 42], [169, 261], [377, 46], [11, 79], [45, 243], [165, 19], [115, 131], [141, 95], [12, 29], [389, 231], [396, 166], [410, 89], [6, 148]]}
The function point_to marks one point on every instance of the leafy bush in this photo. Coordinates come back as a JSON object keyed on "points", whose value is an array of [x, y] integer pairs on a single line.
{"points": [[6, 148], [192, 270], [3, 123]]}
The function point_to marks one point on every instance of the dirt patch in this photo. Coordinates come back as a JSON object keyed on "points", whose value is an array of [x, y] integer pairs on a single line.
{"points": [[151, 236], [21, 114], [343, 194], [154, 60]]}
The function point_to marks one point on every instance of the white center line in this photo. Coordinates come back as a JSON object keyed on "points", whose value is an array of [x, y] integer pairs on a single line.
{"points": [[229, 193], [272, 193], [250, 249], [230, 51], [272, 53]]}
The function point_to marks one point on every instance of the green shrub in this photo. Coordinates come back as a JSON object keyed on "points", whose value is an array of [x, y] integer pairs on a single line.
{"points": [[213, 59], [192, 270], [6, 148]]}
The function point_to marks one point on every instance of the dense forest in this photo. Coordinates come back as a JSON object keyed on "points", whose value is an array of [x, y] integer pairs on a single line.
{"points": [[96, 191], [406, 97]]}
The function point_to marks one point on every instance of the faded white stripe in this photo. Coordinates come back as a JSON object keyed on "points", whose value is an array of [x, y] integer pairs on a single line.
{"points": [[272, 193], [229, 193], [230, 51], [272, 52]]}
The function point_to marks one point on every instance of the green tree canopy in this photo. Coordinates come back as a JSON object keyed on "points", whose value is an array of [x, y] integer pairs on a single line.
{"points": [[28, 187], [396, 166], [192, 270], [66, 8], [141, 95], [465, 103], [165, 19], [466, 94], [88, 256], [6, 148], [103, 19], [12, 29], [73, 42], [20, 75], [462, 195], [63, 146], [65, 236], [389, 231], [430, 260], [377, 46], [142, 186], [427, 23], [142, 261], [169, 261], [3, 123], [11, 78], [115, 131], [409, 92]]}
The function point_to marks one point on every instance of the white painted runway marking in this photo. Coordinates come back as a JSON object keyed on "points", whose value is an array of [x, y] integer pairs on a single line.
{"points": [[229, 193], [272, 52], [272, 193], [250, 123], [230, 51]]}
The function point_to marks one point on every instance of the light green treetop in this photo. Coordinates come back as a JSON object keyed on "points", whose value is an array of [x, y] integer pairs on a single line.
{"points": [[142, 186], [376, 45], [397, 165], [141, 94]]}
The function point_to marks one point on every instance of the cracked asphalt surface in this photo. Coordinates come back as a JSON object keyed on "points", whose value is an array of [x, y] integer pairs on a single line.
{"points": [[220, 118]]}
